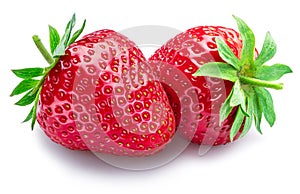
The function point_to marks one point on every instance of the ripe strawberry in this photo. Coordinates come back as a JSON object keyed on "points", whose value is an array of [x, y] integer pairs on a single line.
{"points": [[98, 94], [227, 80]]}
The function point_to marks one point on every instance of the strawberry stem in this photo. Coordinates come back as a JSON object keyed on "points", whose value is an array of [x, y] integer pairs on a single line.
{"points": [[42, 49], [260, 83]]}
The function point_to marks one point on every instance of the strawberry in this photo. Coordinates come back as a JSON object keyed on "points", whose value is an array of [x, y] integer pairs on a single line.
{"points": [[98, 94], [226, 81]]}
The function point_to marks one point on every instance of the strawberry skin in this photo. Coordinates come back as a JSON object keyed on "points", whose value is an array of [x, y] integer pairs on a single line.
{"points": [[101, 95], [188, 51], [224, 78], [88, 102]]}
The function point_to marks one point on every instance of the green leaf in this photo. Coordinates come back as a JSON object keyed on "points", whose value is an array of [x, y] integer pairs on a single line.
{"points": [[249, 119], [35, 108], [267, 52], [225, 109], [61, 47], [257, 111], [217, 70], [24, 86], [33, 122], [27, 99], [28, 73], [54, 38], [66, 37], [238, 96], [272, 73], [247, 126], [227, 55], [244, 107], [267, 106], [29, 116], [247, 54], [239, 118], [77, 33]]}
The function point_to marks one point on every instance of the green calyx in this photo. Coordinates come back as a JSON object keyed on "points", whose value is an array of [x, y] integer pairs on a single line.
{"points": [[251, 79], [33, 78]]}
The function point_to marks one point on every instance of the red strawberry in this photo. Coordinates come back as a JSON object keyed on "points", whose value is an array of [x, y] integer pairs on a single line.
{"points": [[98, 94], [231, 94]]}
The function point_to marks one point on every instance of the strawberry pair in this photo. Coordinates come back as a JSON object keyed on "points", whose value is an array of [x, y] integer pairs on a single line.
{"points": [[99, 93]]}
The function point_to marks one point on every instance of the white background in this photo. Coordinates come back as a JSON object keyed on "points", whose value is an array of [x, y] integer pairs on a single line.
{"points": [[30, 163]]}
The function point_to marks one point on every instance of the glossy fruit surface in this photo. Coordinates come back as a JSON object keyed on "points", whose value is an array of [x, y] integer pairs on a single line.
{"points": [[101, 95], [219, 64], [188, 51]]}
